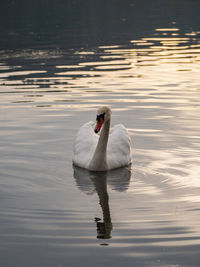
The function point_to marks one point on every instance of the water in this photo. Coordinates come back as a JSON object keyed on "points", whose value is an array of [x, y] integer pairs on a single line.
{"points": [[53, 214]]}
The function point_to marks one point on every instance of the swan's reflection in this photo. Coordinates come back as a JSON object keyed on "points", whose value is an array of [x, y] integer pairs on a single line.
{"points": [[90, 182]]}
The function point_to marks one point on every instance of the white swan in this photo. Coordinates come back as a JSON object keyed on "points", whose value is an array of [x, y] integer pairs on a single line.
{"points": [[109, 150]]}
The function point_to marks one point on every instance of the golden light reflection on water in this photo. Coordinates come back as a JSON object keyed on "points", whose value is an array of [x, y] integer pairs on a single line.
{"points": [[167, 29], [152, 82]]}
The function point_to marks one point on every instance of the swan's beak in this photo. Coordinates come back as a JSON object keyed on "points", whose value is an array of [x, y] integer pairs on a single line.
{"points": [[98, 125]]}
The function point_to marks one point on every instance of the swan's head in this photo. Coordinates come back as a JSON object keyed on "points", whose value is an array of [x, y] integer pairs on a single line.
{"points": [[103, 115]]}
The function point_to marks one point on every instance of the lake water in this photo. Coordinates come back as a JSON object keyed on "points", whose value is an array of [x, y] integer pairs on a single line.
{"points": [[53, 214]]}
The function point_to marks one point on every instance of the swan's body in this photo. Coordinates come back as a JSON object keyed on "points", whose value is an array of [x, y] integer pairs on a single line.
{"points": [[109, 150]]}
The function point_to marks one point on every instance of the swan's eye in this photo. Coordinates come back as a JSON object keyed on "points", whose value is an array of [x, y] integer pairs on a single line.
{"points": [[100, 116]]}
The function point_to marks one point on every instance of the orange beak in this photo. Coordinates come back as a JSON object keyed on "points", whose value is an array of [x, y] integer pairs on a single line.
{"points": [[98, 125]]}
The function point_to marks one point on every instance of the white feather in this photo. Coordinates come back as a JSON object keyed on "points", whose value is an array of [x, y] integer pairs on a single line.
{"points": [[84, 146], [118, 147]]}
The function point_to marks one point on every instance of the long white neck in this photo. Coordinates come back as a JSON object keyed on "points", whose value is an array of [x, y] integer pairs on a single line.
{"points": [[99, 160]]}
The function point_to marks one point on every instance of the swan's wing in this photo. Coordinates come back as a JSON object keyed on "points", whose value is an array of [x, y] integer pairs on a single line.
{"points": [[84, 145], [119, 147]]}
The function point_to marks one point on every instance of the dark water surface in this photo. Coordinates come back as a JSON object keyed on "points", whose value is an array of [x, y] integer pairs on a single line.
{"points": [[60, 61]]}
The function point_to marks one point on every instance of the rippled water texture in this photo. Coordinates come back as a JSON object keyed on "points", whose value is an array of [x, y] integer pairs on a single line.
{"points": [[53, 214]]}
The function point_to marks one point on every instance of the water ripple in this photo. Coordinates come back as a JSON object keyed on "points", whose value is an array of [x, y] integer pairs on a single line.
{"points": [[152, 84]]}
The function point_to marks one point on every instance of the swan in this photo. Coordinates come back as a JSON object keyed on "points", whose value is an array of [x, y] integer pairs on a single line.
{"points": [[99, 148]]}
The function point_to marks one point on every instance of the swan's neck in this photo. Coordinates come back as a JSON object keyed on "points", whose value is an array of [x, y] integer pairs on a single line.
{"points": [[99, 160]]}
